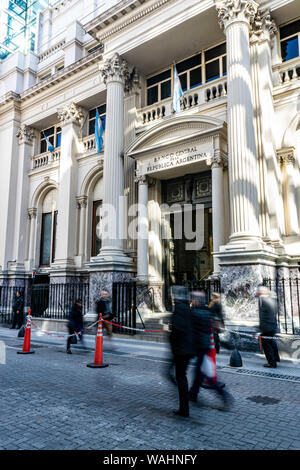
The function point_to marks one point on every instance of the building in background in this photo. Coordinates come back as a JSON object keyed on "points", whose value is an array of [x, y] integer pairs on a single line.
{"points": [[234, 147]]}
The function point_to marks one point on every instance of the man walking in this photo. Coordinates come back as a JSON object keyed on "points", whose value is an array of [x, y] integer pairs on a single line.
{"points": [[18, 310], [75, 324], [216, 311], [182, 345], [268, 325], [104, 306]]}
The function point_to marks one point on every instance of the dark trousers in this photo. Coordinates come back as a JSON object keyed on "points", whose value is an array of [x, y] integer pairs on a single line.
{"points": [[79, 336], [200, 377], [17, 320], [270, 349], [181, 365]]}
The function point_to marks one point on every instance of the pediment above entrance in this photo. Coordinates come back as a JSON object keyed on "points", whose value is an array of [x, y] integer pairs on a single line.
{"points": [[175, 130], [178, 145]]}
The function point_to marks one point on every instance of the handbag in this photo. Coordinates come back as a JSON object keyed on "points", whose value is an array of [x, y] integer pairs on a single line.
{"points": [[207, 367], [74, 339]]}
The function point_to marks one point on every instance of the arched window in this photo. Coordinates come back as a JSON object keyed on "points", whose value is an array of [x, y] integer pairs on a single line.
{"points": [[96, 221], [48, 234]]}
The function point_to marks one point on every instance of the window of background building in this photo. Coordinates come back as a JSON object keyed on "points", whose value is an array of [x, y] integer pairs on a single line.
{"points": [[201, 68], [54, 136], [43, 77], [48, 232], [92, 117], [96, 228], [94, 49], [290, 40]]}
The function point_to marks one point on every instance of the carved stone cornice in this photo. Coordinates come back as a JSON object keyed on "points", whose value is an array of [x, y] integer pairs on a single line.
{"points": [[263, 27], [32, 212], [110, 22], [81, 202], [232, 11], [70, 113], [25, 134], [286, 156], [115, 69]]}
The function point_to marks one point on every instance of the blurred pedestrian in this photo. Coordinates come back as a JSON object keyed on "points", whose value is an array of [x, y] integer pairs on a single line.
{"points": [[75, 324], [104, 306], [182, 345], [18, 310], [202, 328], [268, 325], [216, 311]]}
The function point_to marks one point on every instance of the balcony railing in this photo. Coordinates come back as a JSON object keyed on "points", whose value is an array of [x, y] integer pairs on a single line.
{"points": [[192, 98], [89, 143], [287, 72], [46, 158]]}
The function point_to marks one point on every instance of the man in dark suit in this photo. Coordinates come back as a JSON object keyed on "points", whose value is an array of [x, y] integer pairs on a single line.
{"points": [[182, 345], [268, 325]]}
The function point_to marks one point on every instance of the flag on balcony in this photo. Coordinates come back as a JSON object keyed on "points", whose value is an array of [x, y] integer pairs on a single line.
{"points": [[99, 128], [50, 147], [177, 92]]}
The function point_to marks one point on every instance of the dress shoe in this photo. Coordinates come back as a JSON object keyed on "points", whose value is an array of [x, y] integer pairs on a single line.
{"points": [[180, 413], [270, 366], [69, 351], [193, 398]]}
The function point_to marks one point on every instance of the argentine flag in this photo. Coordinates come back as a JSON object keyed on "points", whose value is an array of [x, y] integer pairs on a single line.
{"points": [[177, 92], [99, 128], [50, 147]]}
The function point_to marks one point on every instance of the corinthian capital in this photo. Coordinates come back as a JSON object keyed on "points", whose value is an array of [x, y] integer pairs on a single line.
{"points": [[25, 134], [114, 69], [263, 27], [231, 11], [218, 160], [70, 113]]}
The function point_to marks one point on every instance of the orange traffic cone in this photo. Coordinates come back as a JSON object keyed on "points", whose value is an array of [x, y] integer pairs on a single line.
{"points": [[212, 355], [98, 360], [26, 344]]}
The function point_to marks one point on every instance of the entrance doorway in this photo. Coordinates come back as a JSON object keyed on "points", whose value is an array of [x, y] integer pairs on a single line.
{"points": [[182, 265]]}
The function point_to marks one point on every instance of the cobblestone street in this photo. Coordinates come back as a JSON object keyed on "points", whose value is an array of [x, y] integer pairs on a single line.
{"points": [[50, 400]]}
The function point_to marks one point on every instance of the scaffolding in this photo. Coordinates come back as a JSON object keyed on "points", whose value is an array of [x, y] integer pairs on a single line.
{"points": [[18, 25]]}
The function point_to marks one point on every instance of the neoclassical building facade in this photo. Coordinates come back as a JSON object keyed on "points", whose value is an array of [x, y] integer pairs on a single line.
{"points": [[233, 149]]}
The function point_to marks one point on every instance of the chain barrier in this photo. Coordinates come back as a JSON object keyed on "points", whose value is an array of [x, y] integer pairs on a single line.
{"points": [[259, 336], [144, 330], [136, 329], [63, 335]]}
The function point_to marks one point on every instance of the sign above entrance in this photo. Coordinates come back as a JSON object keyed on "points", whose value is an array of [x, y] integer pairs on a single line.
{"points": [[185, 156]]}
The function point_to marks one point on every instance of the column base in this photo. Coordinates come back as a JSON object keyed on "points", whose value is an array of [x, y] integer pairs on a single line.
{"points": [[111, 261]]}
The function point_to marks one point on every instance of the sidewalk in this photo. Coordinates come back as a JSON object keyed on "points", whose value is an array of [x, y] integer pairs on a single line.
{"points": [[160, 352]]}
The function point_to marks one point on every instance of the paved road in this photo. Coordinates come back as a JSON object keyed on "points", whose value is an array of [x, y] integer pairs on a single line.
{"points": [[50, 400]]}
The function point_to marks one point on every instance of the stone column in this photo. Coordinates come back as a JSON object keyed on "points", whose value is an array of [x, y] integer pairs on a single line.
{"points": [[114, 73], [131, 104], [271, 211], [217, 163], [32, 212], [287, 161], [82, 202], [143, 229], [70, 117], [235, 17], [25, 137]]}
